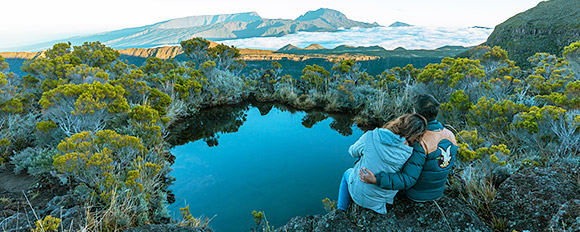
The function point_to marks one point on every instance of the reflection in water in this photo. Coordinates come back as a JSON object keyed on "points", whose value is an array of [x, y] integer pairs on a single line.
{"points": [[266, 165], [342, 124], [312, 118], [264, 108], [209, 123]]}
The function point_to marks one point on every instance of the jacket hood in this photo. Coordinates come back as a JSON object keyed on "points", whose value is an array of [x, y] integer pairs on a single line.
{"points": [[434, 126], [387, 137]]}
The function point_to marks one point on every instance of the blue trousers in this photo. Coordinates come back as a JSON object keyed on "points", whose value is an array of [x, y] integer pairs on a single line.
{"points": [[343, 194]]}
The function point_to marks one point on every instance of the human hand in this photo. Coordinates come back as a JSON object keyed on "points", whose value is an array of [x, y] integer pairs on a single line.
{"points": [[367, 176]]}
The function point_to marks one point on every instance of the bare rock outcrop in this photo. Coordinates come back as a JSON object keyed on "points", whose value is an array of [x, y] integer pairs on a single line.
{"points": [[445, 214], [533, 198]]}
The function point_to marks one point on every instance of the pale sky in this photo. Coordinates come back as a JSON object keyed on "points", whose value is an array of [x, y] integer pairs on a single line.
{"points": [[24, 22]]}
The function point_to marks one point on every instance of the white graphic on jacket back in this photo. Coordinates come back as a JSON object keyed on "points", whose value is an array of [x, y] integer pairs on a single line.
{"points": [[445, 157]]}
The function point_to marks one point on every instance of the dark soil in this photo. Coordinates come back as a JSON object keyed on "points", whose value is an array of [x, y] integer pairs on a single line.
{"points": [[20, 193]]}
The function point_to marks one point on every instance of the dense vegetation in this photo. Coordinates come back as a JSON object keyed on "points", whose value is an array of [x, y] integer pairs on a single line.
{"points": [[100, 126]]}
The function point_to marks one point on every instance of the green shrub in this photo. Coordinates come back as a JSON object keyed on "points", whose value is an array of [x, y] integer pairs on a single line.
{"points": [[493, 116], [532, 119], [77, 108], [471, 148], [547, 132], [117, 169], [329, 205], [34, 160], [314, 78], [550, 74], [454, 111], [144, 122], [47, 224], [569, 99]]}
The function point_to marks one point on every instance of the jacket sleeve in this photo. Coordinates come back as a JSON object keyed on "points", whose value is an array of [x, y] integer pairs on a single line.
{"points": [[408, 175], [356, 150]]}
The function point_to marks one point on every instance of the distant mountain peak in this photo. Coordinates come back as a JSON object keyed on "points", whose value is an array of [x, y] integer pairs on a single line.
{"points": [[321, 13], [291, 47], [400, 24], [314, 47], [288, 47], [325, 17]]}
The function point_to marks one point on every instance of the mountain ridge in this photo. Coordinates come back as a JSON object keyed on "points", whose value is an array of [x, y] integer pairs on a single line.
{"points": [[212, 27], [203, 20]]}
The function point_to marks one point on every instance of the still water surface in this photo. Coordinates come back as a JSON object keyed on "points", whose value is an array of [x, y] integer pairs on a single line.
{"points": [[263, 159]]}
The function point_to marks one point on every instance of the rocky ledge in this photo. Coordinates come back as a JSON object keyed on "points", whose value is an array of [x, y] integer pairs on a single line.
{"points": [[534, 199], [445, 214], [541, 199]]}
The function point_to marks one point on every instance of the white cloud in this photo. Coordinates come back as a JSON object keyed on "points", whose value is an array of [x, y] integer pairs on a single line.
{"points": [[417, 37]]}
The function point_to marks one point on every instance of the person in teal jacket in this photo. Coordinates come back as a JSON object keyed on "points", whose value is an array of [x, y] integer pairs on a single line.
{"points": [[423, 176]]}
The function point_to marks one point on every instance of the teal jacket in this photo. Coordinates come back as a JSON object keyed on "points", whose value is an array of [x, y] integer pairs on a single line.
{"points": [[422, 176]]}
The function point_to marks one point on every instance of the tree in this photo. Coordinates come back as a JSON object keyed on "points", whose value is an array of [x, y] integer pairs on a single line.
{"points": [[313, 77], [62, 65], [452, 74], [15, 120], [196, 49], [350, 70], [95, 54], [226, 58], [134, 85], [51, 70], [84, 107]]}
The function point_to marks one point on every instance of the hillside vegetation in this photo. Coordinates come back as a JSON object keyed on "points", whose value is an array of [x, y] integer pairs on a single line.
{"points": [[83, 118], [548, 27]]}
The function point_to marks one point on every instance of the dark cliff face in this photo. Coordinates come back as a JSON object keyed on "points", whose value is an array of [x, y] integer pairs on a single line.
{"points": [[548, 27]]}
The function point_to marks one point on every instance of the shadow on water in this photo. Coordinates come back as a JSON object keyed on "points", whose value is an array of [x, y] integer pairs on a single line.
{"points": [[209, 123]]}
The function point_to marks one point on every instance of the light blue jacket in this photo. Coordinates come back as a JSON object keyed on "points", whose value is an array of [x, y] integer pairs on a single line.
{"points": [[380, 150]]}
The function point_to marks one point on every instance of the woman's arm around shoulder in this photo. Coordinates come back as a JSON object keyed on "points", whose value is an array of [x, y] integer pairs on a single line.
{"points": [[408, 175]]}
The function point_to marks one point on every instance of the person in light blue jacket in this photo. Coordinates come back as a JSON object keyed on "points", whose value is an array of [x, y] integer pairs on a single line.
{"points": [[383, 149], [424, 175]]}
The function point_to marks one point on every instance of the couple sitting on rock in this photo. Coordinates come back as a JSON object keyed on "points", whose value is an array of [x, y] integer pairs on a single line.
{"points": [[413, 152]]}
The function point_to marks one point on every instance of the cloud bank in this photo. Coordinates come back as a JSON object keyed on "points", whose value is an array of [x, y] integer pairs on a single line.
{"points": [[416, 37]]}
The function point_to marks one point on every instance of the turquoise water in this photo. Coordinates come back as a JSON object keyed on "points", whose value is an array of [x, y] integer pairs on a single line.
{"points": [[260, 159]]}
